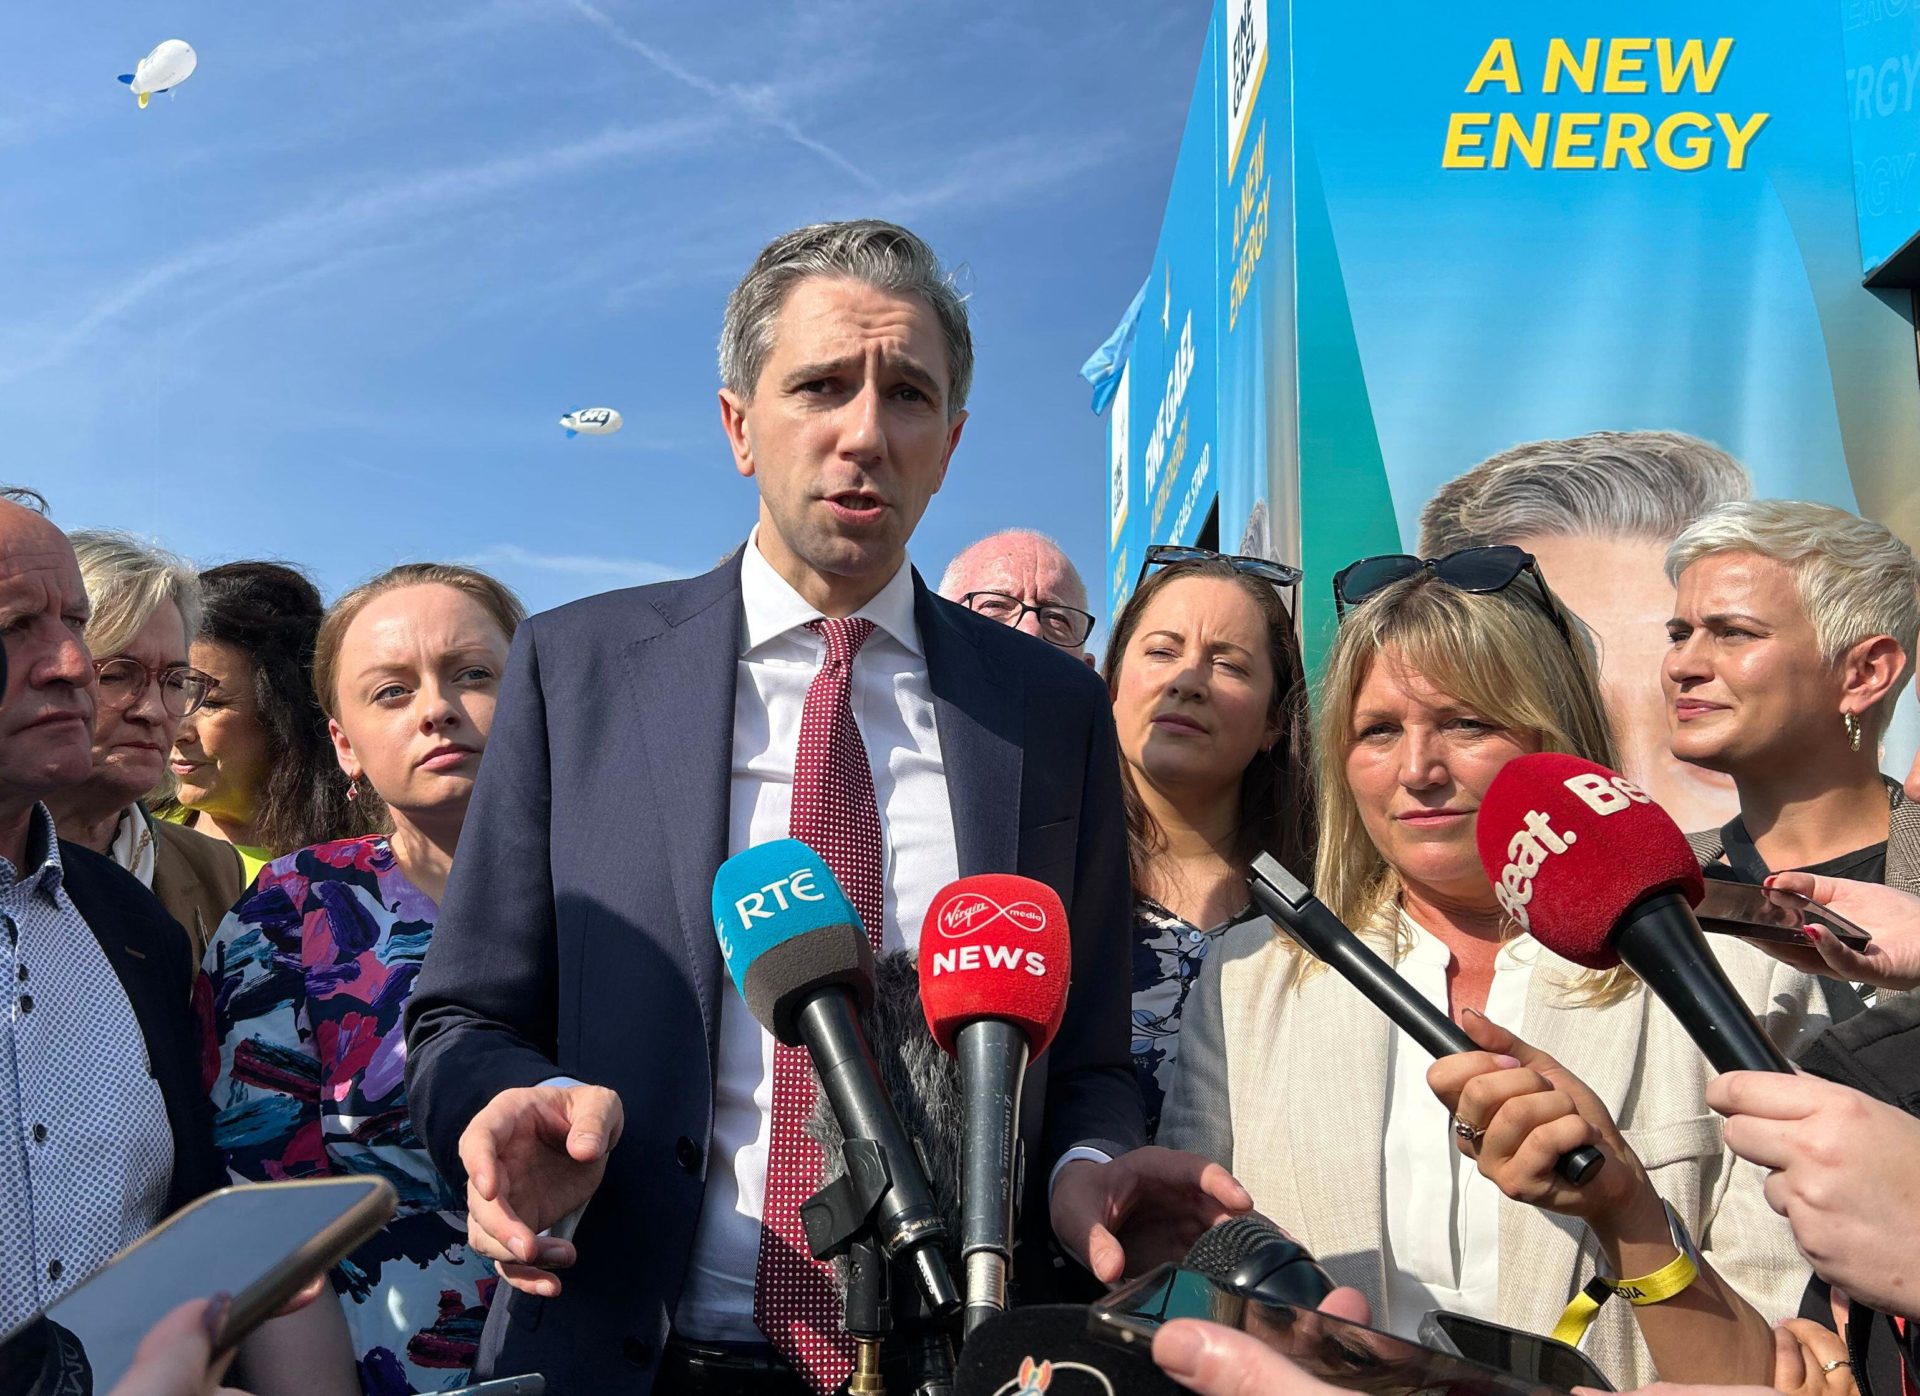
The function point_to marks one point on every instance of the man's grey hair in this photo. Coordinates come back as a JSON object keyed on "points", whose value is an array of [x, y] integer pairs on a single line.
{"points": [[874, 253], [127, 582], [953, 582], [1624, 484], [25, 497], [1854, 578]]}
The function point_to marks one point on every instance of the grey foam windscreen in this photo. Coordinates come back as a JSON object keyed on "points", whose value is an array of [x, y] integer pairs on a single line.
{"points": [[785, 974]]}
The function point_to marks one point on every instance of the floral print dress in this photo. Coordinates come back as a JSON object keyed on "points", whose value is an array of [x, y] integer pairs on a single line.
{"points": [[1168, 952], [309, 973]]}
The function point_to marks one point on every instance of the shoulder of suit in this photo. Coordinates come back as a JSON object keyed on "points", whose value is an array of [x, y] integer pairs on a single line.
{"points": [[616, 612], [100, 887], [208, 856]]}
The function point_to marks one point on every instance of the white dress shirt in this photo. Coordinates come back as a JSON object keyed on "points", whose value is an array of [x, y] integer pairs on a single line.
{"points": [[86, 1153], [1442, 1238], [893, 706]]}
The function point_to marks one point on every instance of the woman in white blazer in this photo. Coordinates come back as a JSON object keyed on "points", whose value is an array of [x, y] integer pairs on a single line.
{"points": [[1441, 673]]}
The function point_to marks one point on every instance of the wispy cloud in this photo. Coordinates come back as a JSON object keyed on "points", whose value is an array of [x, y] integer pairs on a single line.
{"points": [[761, 104], [238, 262], [626, 571]]}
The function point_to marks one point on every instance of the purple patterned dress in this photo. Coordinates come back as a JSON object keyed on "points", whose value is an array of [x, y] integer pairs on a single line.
{"points": [[310, 973]]}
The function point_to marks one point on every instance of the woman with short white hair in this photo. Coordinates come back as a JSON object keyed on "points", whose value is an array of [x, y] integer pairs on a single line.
{"points": [[1792, 636], [146, 612]]}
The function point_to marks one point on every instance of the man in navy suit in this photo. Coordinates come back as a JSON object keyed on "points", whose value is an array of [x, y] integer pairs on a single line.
{"points": [[573, 1036]]}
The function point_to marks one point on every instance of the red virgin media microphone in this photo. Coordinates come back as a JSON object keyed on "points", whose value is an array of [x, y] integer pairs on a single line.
{"points": [[995, 958], [1598, 873]]}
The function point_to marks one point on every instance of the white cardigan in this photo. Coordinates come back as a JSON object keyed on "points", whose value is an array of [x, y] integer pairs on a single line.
{"points": [[1296, 1108]]}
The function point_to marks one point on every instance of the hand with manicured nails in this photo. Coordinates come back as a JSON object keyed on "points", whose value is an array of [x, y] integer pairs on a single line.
{"points": [[1534, 1110], [1142, 1209], [1890, 916], [1846, 1176], [533, 1154]]}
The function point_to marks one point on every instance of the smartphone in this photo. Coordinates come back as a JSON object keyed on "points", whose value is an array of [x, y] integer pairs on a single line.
{"points": [[259, 1243], [532, 1384], [1771, 914], [1529, 1355], [1343, 1354]]}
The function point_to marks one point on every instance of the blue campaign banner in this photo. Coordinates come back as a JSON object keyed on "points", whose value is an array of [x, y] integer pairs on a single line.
{"points": [[1882, 45], [1257, 469]]}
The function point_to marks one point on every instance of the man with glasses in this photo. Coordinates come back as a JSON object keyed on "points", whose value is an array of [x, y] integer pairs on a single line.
{"points": [[104, 1126], [1022, 579], [146, 610]]}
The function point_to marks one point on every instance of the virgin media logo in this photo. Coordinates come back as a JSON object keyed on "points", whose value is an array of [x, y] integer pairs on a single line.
{"points": [[971, 913]]}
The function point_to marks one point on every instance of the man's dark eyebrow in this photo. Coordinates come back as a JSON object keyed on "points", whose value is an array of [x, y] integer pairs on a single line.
{"points": [[912, 370]]}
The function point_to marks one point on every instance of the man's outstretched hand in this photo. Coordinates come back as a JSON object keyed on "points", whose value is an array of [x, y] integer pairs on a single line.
{"points": [[533, 1155], [1141, 1209]]}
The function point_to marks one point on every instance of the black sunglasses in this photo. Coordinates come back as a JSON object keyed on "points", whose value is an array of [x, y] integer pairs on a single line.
{"points": [[1167, 554], [1471, 569]]}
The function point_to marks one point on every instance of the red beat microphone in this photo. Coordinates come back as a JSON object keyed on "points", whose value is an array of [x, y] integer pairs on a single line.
{"points": [[995, 958], [1584, 860]]}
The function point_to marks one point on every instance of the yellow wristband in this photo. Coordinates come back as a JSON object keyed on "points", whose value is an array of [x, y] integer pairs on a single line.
{"points": [[1670, 1279]]}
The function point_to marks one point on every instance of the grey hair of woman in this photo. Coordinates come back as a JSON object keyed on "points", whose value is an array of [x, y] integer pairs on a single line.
{"points": [[127, 582], [882, 255]]}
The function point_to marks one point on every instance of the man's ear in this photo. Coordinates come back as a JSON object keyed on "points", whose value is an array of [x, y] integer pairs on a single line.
{"points": [[733, 421]]}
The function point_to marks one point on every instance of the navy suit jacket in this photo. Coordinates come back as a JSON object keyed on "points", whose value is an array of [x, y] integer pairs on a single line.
{"points": [[577, 936]]}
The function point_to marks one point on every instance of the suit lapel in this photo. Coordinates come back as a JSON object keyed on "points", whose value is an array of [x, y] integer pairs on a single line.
{"points": [[1540, 1253], [683, 671], [977, 708]]}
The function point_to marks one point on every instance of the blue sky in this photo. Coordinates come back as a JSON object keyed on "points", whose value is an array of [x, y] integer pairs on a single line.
{"points": [[327, 301]]}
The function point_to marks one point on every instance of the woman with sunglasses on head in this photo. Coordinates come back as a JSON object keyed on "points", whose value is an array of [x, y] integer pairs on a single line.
{"points": [[146, 609], [1430, 1185], [313, 968], [1210, 704], [251, 764], [1792, 636]]}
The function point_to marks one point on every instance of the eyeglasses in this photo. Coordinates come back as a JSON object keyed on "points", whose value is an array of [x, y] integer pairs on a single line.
{"points": [[123, 681], [1167, 554], [1065, 626], [1470, 569]]}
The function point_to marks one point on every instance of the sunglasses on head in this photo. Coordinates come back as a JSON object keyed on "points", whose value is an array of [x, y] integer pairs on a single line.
{"points": [[1167, 554], [1471, 569]]}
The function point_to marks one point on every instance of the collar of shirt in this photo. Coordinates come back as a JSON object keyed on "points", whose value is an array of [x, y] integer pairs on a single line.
{"points": [[774, 608], [43, 857], [1428, 949]]}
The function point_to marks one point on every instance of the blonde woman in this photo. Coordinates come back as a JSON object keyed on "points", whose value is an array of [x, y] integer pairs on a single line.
{"points": [[1444, 670]]}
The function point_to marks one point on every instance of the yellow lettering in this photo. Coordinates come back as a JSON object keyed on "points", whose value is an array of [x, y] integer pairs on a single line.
{"points": [[1692, 56], [1508, 135], [1621, 141], [1699, 149], [1560, 60], [1626, 56], [1740, 137], [1571, 138], [1460, 140], [1497, 64]]}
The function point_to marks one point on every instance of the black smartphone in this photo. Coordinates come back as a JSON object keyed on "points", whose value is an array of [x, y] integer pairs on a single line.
{"points": [[1529, 1355], [259, 1243], [1343, 1354], [1772, 914]]}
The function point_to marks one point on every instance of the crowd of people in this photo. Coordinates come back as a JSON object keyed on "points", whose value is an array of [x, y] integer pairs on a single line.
{"points": [[415, 886]]}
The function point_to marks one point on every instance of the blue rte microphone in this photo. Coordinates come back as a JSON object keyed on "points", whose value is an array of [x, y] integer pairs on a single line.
{"points": [[787, 931], [800, 958]]}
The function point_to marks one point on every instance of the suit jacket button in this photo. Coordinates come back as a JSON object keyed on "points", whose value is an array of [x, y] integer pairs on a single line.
{"points": [[637, 1352], [688, 1153]]}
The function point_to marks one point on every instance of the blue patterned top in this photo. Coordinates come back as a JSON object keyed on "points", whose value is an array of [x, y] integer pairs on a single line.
{"points": [[310, 973], [1167, 954]]}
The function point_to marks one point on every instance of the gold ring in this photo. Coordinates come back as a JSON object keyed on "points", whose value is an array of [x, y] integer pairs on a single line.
{"points": [[1837, 1362], [1467, 1131]]}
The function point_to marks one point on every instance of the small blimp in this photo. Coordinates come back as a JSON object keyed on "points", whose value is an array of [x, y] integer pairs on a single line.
{"points": [[170, 64], [591, 421]]}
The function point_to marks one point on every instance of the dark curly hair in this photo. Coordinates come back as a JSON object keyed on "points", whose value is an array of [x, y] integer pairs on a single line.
{"points": [[271, 613]]}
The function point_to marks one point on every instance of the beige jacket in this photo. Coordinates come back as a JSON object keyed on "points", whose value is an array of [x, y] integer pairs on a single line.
{"points": [[1297, 1110]]}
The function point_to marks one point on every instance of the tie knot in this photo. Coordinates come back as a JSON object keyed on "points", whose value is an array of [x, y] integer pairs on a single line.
{"points": [[844, 636]]}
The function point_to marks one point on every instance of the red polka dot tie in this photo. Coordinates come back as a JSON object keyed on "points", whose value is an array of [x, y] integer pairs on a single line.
{"points": [[795, 1302]]}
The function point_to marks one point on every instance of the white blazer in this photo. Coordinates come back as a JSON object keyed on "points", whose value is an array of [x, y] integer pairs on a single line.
{"points": [[1296, 1108]]}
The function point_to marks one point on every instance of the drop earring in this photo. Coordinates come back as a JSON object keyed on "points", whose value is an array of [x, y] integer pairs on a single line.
{"points": [[1852, 724]]}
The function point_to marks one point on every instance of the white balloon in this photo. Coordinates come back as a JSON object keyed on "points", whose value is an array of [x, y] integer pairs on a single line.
{"points": [[171, 63], [591, 421]]}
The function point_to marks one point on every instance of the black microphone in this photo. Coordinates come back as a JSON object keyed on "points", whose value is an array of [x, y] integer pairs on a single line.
{"points": [[1251, 1257], [1600, 874], [1292, 905], [796, 950]]}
